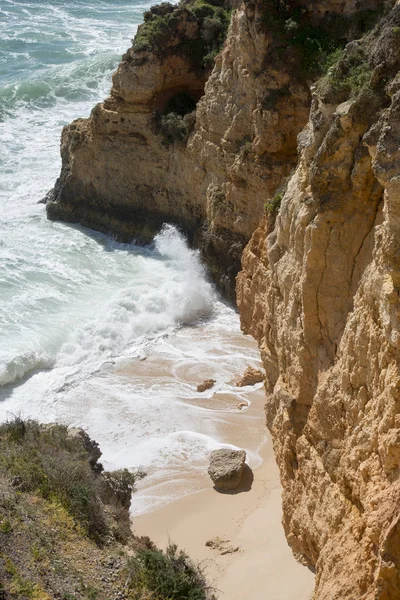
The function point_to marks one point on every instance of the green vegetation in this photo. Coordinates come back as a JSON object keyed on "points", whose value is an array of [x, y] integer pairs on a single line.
{"points": [[173, 127], [50, 480], [272, 207], [170, 574], [20, 587], [177, 120], [55, 464], [209, 21], [349, 74], [312, 47], [160, 26], [5, 526]]}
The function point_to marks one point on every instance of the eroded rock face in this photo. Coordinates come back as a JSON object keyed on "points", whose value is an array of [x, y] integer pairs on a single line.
{"points": [[320, 281], [119, 174], [123, 173], [226, 468], [320, 291]]}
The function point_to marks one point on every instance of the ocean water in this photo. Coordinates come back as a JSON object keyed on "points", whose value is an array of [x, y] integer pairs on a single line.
{"points": [[108, 336]]}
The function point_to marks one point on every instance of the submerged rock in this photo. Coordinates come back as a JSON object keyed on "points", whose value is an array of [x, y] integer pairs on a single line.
{"points": [[206, 385], [226, 468]]}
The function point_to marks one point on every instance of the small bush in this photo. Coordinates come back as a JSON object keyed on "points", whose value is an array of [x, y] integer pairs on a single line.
{"points": [[174, 127], [161, 25], [153, 34], [273, 206], [311, 46], [120, 485], [169, 574], [5, 526], [212, 28], [16, 429], [348, 75]]}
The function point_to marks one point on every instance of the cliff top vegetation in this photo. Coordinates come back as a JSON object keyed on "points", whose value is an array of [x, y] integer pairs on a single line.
{"points": [[162, 26], [65, 529]]}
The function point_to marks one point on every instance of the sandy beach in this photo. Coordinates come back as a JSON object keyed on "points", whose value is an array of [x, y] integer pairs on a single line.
{"points": [[258, 563]]}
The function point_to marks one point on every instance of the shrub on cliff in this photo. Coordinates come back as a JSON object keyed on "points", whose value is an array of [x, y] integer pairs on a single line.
{"points": [[170, 574], [311, 46], [59, 465], [272, 207], [349, 73], [174, 127], [52, 495], [163, 23]]}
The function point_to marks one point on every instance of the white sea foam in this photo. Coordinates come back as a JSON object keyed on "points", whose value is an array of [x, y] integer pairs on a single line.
{"points": [[168, 289], [23, 364]]}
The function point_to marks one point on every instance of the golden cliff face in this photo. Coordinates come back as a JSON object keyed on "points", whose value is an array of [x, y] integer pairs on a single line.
{"points": [[121, 174], [320, 291]]}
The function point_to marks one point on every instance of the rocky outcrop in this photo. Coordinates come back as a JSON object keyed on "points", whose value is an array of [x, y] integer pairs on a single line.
{"points": [[251, 376], [206, 385], [128, 169], [226, 468], [65, 529], [320, 291]]}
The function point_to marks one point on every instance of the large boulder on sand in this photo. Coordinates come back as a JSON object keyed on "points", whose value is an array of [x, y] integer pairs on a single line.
{"points": [[226, 468], [251, 376]]}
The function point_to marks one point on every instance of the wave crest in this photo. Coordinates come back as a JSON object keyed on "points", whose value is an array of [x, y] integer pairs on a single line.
{"points": [[170, 289], [21, 365]]}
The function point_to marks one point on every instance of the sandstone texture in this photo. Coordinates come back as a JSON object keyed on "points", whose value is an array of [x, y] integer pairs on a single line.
{"points": [[320, 291], [226, 468], [251, 376], [120, 174]]}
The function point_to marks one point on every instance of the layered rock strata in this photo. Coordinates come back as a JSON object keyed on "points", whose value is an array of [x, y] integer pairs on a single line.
{"points": [[320, 292], [120, 174]]}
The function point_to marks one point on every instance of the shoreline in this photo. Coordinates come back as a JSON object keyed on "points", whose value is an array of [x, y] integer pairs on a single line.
{"points": [[251, 560]]}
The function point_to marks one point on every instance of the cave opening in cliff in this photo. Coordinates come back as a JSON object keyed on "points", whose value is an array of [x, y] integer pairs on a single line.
{"points": [[175, 114], [180, 101]]}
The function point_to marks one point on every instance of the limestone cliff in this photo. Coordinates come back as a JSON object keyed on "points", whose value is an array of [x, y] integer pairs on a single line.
{"points": [[127, 171], [320, 291]]}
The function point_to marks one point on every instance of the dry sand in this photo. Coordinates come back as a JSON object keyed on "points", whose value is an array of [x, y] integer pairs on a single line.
{"points": [[263, 567]]}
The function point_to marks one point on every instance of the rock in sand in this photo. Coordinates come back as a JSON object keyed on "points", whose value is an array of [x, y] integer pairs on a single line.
{"points": [[251, 376], [206, 385], [226, 468]]}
